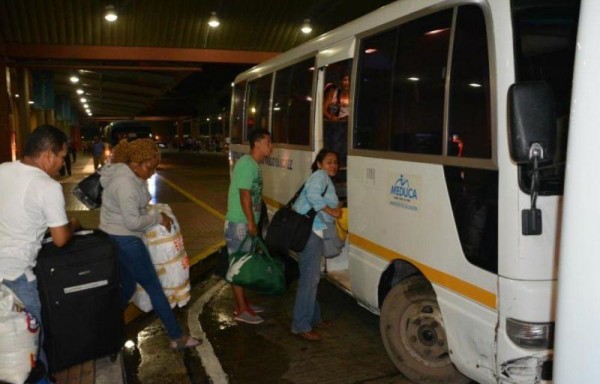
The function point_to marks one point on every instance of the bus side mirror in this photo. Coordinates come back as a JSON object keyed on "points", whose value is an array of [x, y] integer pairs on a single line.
{"points": [[531, 122]]}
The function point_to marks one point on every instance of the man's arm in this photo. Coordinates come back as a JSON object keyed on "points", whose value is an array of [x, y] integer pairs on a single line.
{"points": [[246, 200], [61, 235]]}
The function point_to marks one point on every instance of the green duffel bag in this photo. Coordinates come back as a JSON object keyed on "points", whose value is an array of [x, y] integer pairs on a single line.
{"points": [[256, 269]]}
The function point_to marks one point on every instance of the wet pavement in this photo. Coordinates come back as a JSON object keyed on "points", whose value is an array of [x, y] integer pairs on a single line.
{"points": [[351, 351]]}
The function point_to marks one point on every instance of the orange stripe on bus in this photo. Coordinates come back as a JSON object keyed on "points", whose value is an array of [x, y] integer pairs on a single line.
{"points": [[441, 278]]}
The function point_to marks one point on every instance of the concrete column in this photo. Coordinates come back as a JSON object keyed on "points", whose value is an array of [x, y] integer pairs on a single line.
{"points": [[24, 120], [179, 132], [6, 135]]}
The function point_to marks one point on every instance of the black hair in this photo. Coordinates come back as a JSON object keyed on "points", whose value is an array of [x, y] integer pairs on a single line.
{"points": [[321, 155], [44, 137], [256, 135]]}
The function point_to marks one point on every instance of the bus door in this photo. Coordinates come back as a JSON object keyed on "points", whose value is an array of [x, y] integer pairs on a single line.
{"points": [[333, 115]]}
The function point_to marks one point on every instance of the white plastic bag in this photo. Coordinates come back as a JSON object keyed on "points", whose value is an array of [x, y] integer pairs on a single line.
{"points": [[19, 332], [170, 261]]}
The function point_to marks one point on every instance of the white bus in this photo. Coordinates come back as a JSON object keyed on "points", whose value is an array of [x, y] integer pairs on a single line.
{"points": [[452, 140]]}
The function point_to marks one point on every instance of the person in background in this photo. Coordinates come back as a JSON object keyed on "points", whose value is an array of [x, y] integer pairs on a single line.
{"points": [[125, 217], [97, 152], [337, 100], [31, 202], [319, 194], [244, 203], [66, 169]]}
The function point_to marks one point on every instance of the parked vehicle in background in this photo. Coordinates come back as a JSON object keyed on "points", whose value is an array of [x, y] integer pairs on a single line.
{"points": [[130, 130]]}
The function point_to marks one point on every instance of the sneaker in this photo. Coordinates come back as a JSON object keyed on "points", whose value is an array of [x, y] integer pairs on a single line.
{"points": [[184, 342], [253, 308], [247, 317], [256, 308]]}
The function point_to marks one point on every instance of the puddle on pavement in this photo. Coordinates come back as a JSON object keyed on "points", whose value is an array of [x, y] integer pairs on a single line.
{"points": [[245, 351]]}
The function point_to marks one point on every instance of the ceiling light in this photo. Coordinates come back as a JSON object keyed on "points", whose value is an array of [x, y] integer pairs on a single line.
{"points": [[213, 22], [86, 106], [17, 95], [475, 85], [413, 79], [30, 102], [80, 91], [83, 100], [306, 28], [110, 14], [74, 79]]}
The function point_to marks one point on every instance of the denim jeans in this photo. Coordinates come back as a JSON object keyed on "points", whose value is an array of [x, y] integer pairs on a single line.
{"points": [[307, 312], [27, 292], [136, 267], [235, 233]]}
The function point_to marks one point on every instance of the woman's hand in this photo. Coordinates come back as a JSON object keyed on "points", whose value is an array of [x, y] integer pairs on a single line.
{"points": [[334, 212], [166, 221]]}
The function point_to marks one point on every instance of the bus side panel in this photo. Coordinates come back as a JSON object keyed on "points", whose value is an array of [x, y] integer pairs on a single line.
{"points": [[366, 269], [401, 210], [283, 173], [531, 301], [468, 330]]}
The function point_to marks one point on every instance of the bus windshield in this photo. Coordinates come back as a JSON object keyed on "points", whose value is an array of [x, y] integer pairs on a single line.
{"points": [[544, 44]]}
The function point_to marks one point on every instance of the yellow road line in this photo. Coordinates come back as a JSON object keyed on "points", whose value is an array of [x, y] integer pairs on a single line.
{"points": [[192, 198]]}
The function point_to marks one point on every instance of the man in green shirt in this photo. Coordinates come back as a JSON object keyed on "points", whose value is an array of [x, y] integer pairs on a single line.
{"points": [[243, 212]]}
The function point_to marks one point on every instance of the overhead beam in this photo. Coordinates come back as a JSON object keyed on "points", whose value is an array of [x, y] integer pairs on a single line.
{"points": [[121, 53], [140, 67], [137, 118]]}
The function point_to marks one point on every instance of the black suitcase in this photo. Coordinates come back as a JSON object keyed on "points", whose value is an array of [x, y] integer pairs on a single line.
{"points": [[81, 300]]}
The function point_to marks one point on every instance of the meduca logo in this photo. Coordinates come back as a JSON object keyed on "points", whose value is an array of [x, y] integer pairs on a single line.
{"points": [[404, 192], [401, 188]]}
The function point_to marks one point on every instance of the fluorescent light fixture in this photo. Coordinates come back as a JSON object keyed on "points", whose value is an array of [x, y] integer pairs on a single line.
{"points": [[413, 79], [306, 28], [436, 31], [213, 21], [80, 91], [74, 79], [110, 14]]}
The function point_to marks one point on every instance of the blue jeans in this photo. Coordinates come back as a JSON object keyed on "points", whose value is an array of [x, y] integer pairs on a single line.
{"points": [[235, 233], [307, 312], [27, 292], [136, 267]]}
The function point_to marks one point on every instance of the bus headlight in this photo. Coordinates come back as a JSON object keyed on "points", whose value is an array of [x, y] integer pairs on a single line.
{"points": [[530, 335]]}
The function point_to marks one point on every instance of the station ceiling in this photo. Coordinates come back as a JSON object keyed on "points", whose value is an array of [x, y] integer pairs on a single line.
{"points": [[160, 57]]}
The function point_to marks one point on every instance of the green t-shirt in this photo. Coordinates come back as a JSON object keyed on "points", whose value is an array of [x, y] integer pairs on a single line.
{"points": [[246, 175]]}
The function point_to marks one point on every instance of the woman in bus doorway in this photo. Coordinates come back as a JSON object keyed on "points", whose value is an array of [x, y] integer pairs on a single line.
{"points": [[319, 194]]}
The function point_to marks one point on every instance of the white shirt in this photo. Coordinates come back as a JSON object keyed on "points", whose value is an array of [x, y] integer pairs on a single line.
{"points": [[30, 202]]}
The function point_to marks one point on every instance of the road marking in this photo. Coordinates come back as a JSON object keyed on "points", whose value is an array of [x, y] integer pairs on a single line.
{"points": [[191, 197], [211, 363]]}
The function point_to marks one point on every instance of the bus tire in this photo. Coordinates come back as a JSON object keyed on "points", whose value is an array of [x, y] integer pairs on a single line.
{"points": [[414, 336]]}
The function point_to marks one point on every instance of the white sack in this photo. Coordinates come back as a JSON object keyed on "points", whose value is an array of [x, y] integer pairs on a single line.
{"points": [[170, 261]]}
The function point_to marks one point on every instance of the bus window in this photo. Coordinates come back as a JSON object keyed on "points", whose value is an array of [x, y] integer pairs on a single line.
{"points": [[237, 119], [292, 103], [409, 115], [257, 107], [469, 124]]}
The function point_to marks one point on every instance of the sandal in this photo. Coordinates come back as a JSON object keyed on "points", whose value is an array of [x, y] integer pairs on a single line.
{"points": [[184, 342]]}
